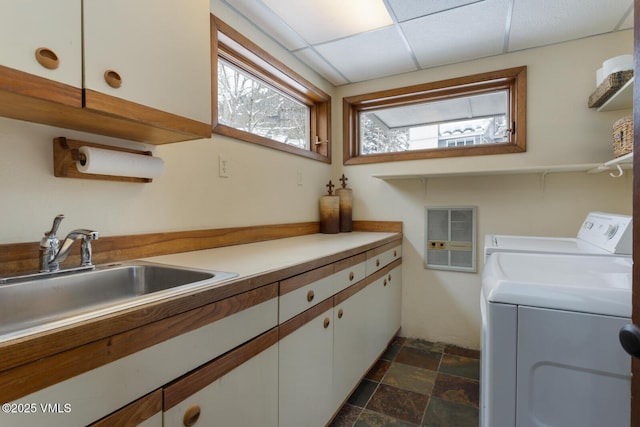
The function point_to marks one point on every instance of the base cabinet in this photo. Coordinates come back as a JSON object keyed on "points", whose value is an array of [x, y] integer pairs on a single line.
{"points": [[232, 363]]}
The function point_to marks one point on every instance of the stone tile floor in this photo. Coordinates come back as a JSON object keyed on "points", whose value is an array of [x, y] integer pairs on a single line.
{"points": [[416, 383]]}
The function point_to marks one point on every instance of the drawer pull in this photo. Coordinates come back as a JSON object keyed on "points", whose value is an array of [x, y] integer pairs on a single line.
{"points": [[113, 79], [191, 415], [384, 283], [310, 295], [351, 275], [326, 322], [395, 253], [377, 262], [340, 313], [47, 58], [389, 277]]}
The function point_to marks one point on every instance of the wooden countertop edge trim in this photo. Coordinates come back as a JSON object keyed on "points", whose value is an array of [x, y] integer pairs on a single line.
{"points": [[20, 351]]}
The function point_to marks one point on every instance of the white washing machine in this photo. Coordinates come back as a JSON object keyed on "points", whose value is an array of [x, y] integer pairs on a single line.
{"points": [[550, 350], [600, 234]]}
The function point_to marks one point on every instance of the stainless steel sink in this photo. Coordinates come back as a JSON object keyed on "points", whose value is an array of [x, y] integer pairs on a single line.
{"points": [[34, 303]]}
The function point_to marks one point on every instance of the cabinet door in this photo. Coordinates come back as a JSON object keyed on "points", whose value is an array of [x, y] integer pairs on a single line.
{"points": [[27, 25], [350, 325], [159, 48], [247, 395], [305, 369], [386, 294]]}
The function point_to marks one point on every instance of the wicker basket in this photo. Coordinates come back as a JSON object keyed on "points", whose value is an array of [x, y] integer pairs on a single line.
{"points": [[623, 136], [608, 87]]}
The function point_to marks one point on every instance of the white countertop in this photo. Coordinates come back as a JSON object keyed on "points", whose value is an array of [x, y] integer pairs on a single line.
{"points": [[258, 258]]}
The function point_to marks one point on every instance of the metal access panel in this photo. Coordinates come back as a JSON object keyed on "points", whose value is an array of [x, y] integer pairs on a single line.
{"points": [[450, 238]]}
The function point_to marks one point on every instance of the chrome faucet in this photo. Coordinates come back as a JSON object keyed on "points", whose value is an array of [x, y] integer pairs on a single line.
{"points": [[52, 253]]}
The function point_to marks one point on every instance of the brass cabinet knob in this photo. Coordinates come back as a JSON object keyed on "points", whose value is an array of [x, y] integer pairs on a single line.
{"points": [[47, 58], [389, 277], [384, 283], [340, 313], [351, 275], [191, 415], [326, 322], [377, 262], [395, 253], [310, 295], [113, 79]]}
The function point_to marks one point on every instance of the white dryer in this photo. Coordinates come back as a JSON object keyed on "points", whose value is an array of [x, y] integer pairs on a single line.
{"points": [[550, 350], [600, 234]]}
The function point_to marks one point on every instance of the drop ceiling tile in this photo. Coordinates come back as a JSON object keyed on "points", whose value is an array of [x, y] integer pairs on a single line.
{"points": [[270, 23], [317, 63], [461, 34], [369, 55], [319, 21], [542, 22], [405, 10]]}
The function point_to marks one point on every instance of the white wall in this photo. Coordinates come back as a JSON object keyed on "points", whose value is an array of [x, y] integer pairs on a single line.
{"points": [[262, 188], [444, 306]]}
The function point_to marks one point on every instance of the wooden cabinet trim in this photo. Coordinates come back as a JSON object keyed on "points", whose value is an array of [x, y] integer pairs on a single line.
{"points": [[305, 317], [134, 413], [28, 378], [380, 249], [297, 282], [107, 104], [350, 262], [195, 381], [35, 87]]}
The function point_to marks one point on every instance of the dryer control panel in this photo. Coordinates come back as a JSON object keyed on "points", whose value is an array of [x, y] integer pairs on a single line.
{"points": [[610, 232]]}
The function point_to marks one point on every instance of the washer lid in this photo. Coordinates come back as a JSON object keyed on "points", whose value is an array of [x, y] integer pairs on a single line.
{"points": [[551, 245], [595, 284]]}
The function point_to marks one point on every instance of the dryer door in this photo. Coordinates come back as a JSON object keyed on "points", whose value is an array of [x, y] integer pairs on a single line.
{"points": [[571, 371]]}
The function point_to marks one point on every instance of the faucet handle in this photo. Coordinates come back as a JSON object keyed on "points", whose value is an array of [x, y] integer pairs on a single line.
{"points": [[54, 228]]}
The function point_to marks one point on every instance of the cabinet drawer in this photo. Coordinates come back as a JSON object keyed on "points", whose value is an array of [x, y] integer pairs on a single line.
{"points": [[384, 255], [304, 291], [349, 271], [98, 392], [236, 390]]}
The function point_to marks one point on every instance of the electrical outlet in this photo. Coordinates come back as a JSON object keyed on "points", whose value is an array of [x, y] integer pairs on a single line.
{"points": [[223, 167]]}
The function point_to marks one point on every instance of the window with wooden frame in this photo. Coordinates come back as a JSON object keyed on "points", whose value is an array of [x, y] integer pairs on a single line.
{"points": [[466, 116], [258, 99]]}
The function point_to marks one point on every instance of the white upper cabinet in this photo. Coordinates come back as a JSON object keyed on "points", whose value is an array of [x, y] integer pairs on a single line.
{"points": [[159, 48], [132, 69], [53, 26]]}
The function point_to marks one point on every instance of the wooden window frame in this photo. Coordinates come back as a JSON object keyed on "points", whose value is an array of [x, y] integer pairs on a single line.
{"points": [[243, 53], [512, 79]]}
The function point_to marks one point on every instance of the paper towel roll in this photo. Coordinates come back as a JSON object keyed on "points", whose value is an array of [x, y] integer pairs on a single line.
{"points": [[118, 163]]}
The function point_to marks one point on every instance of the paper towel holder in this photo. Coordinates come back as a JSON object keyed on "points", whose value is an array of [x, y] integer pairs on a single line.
{"points": [[65, 155]]}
